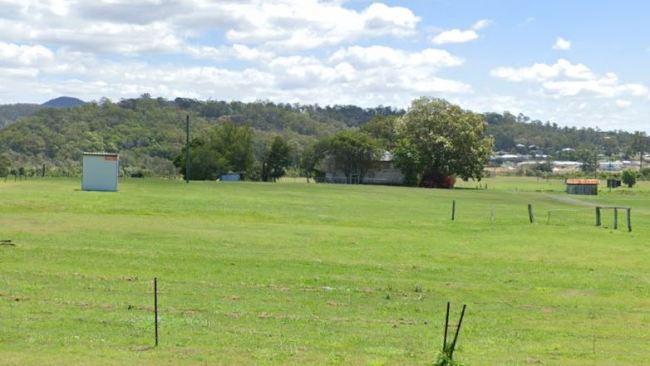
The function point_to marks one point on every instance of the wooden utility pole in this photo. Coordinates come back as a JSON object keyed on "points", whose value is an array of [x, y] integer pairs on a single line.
{"points": [[187, 149]]}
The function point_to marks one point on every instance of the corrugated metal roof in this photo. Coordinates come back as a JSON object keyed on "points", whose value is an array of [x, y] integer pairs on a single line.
{"points": [[100, 154], [583, 181]]}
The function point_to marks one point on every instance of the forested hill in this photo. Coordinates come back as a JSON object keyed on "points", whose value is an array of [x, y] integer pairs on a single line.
{"points": [[509, 130], [150, 132], [10, 113]]}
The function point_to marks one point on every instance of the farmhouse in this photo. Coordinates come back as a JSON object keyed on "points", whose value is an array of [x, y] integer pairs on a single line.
{"points": [[582, 186], [383, 171]]}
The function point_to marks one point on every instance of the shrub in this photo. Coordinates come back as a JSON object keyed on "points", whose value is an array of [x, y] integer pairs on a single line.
{"points": [[5, 165], [645, 173], [629, 178], [444, 360]]}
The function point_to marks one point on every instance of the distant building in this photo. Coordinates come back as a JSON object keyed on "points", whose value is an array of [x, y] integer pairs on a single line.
{"points": [[503, 158], [582, 186], [382, 172], [617, 165], [565, 166]]}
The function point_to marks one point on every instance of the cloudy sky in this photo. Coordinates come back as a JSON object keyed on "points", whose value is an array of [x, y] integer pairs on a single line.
{"points": [[582, 63]]}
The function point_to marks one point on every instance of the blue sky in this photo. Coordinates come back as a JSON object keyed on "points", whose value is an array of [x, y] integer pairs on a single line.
{"points": [[579, 63]]}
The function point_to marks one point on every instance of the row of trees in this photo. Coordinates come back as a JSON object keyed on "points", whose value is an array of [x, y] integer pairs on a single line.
{"points": [[434, 141], [228, 148]]}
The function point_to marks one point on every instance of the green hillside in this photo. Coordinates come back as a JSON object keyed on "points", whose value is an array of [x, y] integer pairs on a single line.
{"points": [[149, 132], [10, 113]]}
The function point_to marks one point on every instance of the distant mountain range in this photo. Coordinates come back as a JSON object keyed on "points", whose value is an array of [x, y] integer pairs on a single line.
{"points": [[10, 113]]}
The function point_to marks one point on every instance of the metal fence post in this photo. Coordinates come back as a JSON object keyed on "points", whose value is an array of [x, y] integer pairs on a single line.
{"points": [[453, 210], [155, 307]]}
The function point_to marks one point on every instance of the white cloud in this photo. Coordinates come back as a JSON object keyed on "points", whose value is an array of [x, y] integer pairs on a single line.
{"points": [[562, 44], [455, 36], [136, 26], [308, 24], [621, 103], [481, 24], [23, 55], [606, 86], [236, 51], [461, 36], [567, 79], [381, 55], [365, 76], [542, 72]]}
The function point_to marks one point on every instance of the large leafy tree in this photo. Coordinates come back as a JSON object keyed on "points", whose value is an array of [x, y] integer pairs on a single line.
{"points": [[277, 160], [226, 148], [353, 152], [437, 140], [382, 128]]}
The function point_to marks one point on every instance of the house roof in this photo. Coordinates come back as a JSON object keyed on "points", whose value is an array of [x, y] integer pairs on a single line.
{"points": [[583, 181], [100, 154]]}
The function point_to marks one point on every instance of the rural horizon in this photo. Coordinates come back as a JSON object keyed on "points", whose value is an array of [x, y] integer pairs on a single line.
{"points": [[324, 182], [396, 107]]}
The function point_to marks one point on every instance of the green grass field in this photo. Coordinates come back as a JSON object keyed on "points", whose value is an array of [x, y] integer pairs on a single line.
{"points": [[294, 273]]}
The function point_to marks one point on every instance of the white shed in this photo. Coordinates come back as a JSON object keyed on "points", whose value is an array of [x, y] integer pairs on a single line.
{"points": [[100, 171]]}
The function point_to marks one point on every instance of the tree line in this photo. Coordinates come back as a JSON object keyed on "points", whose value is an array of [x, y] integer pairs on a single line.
{"points": [[433, 142], [149, 135]]}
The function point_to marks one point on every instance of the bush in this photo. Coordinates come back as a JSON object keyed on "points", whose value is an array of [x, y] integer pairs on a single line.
{"points": [[5, 165], [444, 360], [629, 178], [645, 173]]}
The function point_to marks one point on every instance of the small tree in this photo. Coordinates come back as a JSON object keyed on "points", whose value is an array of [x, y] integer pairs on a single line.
{"points": [[5, 166], [353, 152], [277, 160], [588, 156], [310, 158], [629, 178]]}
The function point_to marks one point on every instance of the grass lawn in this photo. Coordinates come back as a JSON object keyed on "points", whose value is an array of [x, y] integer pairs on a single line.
{"points": [[294, 273]]}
